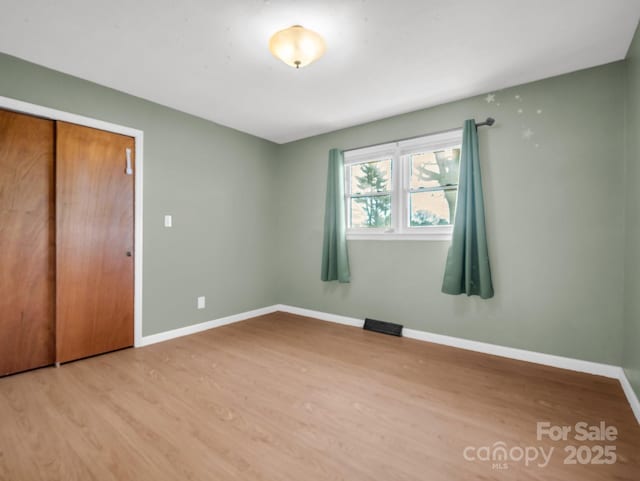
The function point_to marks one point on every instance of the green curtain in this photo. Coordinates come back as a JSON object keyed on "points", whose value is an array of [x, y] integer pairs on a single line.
{"points": [[335, 260], [467, 270]]}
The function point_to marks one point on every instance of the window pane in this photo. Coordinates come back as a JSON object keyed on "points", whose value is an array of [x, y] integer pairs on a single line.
{"points": [[433, 169], [432, 207], [371, 177], [370, 211]]}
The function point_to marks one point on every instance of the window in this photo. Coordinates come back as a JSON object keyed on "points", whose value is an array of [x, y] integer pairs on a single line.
{"points": [[404, 190]]}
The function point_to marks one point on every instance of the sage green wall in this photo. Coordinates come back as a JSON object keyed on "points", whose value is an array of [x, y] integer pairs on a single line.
{"points": [[555, 214], [215, 181], [555, 206], [631, 355]]}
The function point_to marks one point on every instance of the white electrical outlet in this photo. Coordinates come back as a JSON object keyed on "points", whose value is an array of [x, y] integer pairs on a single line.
{"points": [[168, 221], [201, 302]]}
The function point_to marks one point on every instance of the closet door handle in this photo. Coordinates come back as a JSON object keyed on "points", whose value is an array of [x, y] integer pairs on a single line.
{"points": [[129, 254], [128, 170]]}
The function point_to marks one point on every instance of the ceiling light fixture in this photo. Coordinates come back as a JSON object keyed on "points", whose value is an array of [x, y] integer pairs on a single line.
{"points": [[297, 46]]}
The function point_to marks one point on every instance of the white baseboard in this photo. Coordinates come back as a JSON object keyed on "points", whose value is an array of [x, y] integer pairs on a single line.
{"points": [[596, 368], [630, 393], [599, 369], [203, 326], [323, 316]]}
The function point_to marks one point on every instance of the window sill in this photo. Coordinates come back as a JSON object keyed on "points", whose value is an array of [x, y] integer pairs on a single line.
{"points": [[441, 234]]}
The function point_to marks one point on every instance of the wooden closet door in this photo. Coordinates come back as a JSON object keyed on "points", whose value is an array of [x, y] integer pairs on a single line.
{"points": [[95, 220], [27, 242]]}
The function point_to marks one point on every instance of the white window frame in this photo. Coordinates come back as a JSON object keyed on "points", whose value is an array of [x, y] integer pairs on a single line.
{"points": [[399, 153]]}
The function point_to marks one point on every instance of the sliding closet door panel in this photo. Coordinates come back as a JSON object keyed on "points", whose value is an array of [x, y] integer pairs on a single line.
{"points": [[27, 242], [95, 268]]}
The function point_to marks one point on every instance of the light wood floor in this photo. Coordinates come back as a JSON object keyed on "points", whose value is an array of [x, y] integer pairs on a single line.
{"points": [[283, 397]]}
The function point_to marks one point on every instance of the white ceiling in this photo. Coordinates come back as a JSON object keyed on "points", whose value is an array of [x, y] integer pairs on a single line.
{"points": [[210, 57]]}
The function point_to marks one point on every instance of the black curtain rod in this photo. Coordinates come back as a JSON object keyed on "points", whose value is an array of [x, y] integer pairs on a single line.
{"points": [[489, 122]]}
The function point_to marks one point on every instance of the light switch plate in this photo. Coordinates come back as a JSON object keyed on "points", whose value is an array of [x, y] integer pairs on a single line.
{"points": [[168, 221], [201, 302]]}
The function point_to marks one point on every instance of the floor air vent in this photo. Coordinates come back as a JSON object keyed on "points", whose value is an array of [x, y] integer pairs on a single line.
{"points": [[383, 327]]}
